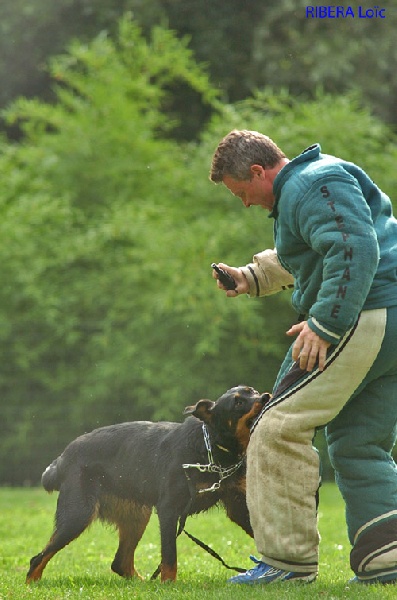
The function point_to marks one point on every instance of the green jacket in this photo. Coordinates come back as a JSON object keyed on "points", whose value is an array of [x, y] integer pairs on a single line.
{"points": [[335, 233]]}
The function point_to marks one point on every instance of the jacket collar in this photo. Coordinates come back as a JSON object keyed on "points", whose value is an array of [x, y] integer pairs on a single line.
{"points": [[310, 153]]}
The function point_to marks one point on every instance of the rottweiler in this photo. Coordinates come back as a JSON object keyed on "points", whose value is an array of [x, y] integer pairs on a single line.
{"points": [[119, 473]]}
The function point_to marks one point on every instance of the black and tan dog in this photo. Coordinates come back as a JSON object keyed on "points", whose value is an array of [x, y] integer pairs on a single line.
{"points": [[120, 472]]}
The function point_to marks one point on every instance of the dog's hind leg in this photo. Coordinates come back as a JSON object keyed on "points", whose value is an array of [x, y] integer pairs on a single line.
{"points": [[131, 520], [76, 509]]}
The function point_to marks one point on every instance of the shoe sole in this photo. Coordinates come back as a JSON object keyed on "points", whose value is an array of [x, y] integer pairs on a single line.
{"points": [[373, 581]]}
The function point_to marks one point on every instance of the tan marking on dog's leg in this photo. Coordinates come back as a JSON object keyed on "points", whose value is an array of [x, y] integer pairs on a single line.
{"points": [[37, 572], [168, 573], [131, 521]]}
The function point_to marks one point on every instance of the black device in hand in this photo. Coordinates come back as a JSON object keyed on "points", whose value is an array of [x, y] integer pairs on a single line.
{"points": [[225, 278]]}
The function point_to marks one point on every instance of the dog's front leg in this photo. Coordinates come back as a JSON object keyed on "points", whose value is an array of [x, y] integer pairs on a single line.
{"points": [[168, 527], [236, 507]]}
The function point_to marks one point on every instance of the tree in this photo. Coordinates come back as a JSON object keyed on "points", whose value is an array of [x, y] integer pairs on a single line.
{"points": [[292, 50], [246, 45], [34, 30], [108, 227], [82, 227]]}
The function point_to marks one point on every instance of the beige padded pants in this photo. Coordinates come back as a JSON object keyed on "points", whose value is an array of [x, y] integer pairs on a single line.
{"points": [[283, 466]]}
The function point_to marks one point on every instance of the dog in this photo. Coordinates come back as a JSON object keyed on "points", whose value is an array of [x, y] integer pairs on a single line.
{"points": [[119, 473]]}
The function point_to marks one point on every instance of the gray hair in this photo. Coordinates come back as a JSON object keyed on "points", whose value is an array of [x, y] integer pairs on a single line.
{"points": [[241, 149]]}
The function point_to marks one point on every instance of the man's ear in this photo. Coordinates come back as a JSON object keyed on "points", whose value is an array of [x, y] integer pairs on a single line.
{"points": [[202, 410], [256, 170]]}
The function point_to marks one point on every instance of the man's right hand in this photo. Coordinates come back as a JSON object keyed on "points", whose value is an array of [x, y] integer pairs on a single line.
{"points": [[242, 286]]}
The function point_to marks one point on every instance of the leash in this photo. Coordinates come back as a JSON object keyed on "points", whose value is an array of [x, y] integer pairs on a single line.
{"points": [[212, 552], [207, 549], [223, 473]]}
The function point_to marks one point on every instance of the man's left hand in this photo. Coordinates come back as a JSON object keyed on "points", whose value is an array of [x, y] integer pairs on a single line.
{"points": [[309, 348]]}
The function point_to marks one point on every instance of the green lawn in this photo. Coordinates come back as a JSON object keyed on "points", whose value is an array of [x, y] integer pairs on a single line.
{"points": [[82, 570]]}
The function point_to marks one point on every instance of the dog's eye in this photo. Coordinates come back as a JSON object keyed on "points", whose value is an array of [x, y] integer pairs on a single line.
{"points": [[238, 402]]}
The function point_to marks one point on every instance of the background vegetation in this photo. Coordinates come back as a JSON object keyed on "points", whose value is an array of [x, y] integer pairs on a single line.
{"points": [[108, 221], [245, 44]]}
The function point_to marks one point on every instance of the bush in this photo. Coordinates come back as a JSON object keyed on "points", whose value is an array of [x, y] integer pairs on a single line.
{"points": [[108, 228]]}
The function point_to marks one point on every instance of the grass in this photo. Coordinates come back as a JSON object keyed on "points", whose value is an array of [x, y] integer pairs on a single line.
{"points": [[82, 570]]}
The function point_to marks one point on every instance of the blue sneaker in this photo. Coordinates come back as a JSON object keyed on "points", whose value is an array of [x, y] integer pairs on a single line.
{"points": [[264, 573], [383, 579]]}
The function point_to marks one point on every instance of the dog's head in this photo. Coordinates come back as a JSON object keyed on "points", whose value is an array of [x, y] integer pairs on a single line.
{"points": [[232, 415]]}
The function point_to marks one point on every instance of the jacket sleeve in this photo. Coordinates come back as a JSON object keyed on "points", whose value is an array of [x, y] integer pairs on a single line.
{"points": [[265, 274]]}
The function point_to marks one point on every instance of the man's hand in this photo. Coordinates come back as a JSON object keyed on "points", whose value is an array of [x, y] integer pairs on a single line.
{"points": [[242, 286], [309, 348]]}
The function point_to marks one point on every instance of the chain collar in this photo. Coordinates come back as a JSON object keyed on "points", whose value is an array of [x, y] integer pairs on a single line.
{"points": [[212, 467]]}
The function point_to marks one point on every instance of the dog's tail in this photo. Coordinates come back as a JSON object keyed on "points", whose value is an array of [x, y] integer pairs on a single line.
{"points": [[50, 478]]}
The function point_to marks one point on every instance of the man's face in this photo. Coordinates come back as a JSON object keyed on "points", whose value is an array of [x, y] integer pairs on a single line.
{"points": [[257, 191]]}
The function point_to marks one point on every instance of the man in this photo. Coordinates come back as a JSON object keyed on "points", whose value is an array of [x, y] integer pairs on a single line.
{"points": [[336, 243]]}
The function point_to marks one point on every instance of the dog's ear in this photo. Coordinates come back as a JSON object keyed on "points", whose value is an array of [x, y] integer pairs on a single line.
{"points": [[201, 410]]}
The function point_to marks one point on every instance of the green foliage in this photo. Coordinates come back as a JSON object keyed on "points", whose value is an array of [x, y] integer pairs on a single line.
{"points": [[33, 30], [82, 570], [300, 53], [86, 239], [108, 311], [246, 45], [107, 307]]}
